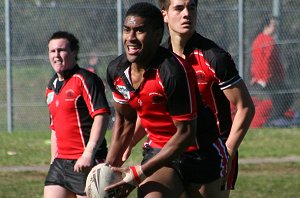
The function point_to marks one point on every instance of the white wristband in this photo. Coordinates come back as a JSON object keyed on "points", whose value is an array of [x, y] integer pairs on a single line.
{"points": [[135, 175], [90, 149]]}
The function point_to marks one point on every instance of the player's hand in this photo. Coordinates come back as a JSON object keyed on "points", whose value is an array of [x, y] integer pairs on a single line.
{"points": [[133, 177], [84, 163]]}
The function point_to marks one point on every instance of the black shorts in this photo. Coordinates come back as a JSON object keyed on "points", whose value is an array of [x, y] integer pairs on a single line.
{"points": [[232, 175], [199, 167], [61, 172]]}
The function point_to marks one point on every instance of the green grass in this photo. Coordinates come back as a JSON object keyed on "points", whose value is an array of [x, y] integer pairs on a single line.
{"points": [[255, 180], [268, 180], [33, 148], [271, 143], [21, 184], [24, 148]]}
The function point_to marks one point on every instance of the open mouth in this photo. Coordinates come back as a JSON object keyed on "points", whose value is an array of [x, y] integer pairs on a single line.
{"points": [[132, 49]]}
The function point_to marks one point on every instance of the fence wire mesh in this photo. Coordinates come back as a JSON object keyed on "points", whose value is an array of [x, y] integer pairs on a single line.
{"points": [[95, 24]]}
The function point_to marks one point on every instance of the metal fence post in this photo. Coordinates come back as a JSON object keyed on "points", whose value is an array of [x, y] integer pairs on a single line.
{"points": [[241, 37], [119, 24], [8, 66], [276, 13]]}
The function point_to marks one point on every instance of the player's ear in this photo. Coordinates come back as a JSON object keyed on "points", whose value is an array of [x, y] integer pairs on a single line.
{"points": [[165, 16]]}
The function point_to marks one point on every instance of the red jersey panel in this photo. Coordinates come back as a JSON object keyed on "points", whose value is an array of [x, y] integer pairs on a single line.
{"points": [[165, 94], [72, 109], [216, 71]]}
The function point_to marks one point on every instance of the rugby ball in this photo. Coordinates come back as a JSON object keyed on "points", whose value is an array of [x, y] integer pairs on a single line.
{"points": [[98, 178]]}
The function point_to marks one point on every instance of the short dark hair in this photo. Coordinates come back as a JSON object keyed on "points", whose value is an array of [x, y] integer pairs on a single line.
{"points": [[149, 12], [74, 43], [165, 4]]}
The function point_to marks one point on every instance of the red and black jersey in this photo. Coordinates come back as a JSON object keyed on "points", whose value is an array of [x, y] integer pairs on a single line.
{"points": [[165, 94], [216, 71], [72, 109]]}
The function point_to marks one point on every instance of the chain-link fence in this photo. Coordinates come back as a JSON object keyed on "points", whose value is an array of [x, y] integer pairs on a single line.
{"points": [[95, 24]]}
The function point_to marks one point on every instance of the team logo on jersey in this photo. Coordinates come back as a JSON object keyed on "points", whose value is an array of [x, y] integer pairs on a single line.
{"points": [[201, 78], [70, 95], [157, 98], [123, 91], [50, 97], [140, 102]]}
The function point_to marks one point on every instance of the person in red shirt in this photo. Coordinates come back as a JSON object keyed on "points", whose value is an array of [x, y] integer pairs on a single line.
{"points": [[150, 82], [267, 72], [79, 115], [218, 82]]}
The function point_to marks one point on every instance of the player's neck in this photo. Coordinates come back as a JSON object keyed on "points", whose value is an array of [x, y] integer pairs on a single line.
{"points": [[178, 43], [60, 77], [136, 75]]}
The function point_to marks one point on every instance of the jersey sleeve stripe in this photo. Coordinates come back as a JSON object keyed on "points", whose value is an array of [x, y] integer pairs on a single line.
{"points": [[87, 91], [118, 99], [229, 83]]}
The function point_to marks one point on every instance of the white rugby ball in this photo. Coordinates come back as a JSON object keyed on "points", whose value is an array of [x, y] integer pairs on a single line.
{"points": [[100, 177]]}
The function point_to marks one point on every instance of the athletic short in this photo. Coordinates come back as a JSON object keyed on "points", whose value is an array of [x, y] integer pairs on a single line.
{"points": [[61, 172], [200, 167], [232, 177]]}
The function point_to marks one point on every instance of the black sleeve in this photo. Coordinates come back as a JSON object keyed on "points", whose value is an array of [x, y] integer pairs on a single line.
{"points": [[180, 90]]}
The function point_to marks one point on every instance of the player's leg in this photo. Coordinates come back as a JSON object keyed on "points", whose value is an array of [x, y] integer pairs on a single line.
{"points": [[81, 196], [165, 182], [61, 176], [210, 190], [225, 194], [192, 191], [57, 192], [74, 181], [202, 170], [54, 182]]}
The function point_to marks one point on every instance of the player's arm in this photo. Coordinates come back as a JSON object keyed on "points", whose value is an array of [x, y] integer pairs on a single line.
{"points": [[183, 83], [122, 132], [239, 96], [97, 135], [184, 137], [134, 175], [53, 146], [139, 133]]}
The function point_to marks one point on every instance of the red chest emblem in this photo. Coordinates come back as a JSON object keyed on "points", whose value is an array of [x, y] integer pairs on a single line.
{"points": [[201, 77]]}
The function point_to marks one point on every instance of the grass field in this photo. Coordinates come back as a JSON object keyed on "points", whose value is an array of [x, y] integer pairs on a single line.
{"points": [[274, 180]]}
